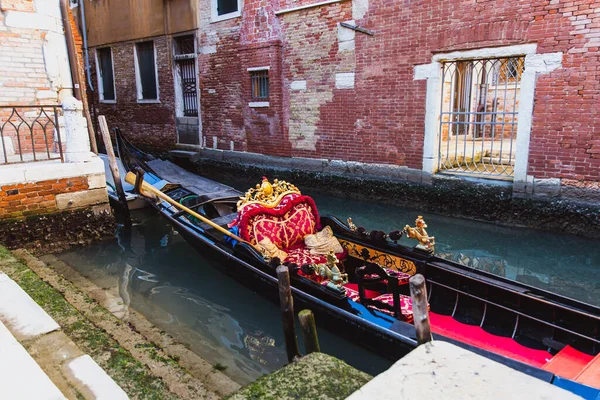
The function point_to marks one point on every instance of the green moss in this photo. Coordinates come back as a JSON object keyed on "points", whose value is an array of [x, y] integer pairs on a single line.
{"points": [[135, 379], [316, 376]]}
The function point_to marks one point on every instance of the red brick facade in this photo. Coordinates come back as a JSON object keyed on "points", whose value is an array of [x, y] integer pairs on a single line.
{"points": [[24, 199], [151, 124], [380, 117]]}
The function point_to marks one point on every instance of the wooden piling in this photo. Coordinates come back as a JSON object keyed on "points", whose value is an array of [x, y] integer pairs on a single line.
{"points": [[309, 331], [418, 294], [114, 168], [287, 312]]}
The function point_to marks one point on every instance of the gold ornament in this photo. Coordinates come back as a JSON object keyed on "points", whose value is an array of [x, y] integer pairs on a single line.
{"points": [[426, 242], [266, 194]]}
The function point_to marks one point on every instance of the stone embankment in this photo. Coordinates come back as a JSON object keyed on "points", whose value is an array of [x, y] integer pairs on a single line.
{"points": [[445, 195], [79, 334]]}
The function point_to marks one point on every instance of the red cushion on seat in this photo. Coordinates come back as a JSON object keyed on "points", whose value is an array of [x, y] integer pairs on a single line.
{"points": [[406, 311], [370, 294], [301, 256], [285, 225]]}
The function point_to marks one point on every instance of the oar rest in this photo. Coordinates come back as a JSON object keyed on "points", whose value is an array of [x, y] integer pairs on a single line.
{"points": [[392, 302]]}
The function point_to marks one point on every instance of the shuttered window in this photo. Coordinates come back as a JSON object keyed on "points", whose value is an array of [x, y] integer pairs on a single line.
{"points": [[146, 69], [106, 82]]}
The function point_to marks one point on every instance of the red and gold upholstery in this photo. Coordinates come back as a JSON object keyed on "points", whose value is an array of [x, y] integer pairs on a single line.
{"points": [[286, 224], [282, 214]]}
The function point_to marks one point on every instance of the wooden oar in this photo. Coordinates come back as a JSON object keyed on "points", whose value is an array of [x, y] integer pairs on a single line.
{"points": [[130, 178]]}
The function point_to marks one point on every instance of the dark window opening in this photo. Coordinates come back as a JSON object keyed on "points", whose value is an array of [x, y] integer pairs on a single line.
{"points": [[147, 70], [105, 68], [184, 45], [226, 7], [260, 85]]}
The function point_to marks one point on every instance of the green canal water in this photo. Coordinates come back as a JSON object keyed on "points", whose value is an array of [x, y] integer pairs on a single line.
{"points": [[184, 293]]}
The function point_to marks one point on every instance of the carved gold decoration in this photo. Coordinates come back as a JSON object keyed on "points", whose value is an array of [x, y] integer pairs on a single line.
{"points": [[351, 225], [331, 270], [266, 194], [426, 242], [382, 259]]}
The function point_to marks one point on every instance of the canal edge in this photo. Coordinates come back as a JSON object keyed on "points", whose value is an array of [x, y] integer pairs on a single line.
{"points": [[159, 365]]}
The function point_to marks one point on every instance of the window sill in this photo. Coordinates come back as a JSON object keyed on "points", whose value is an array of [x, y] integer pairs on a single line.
{"points": [[225, 17], [258, 104], [143, 101], [108, 101]]}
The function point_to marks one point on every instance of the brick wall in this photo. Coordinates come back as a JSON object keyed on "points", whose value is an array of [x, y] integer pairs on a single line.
{"points": [[23, 75], [381, 119], [337, 94], [149, 125]]}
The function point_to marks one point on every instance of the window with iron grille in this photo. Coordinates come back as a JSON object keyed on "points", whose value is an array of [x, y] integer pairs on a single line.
{"points": [[106, 82], [146, 71], [185, 65], [260, 85], [479, 116]]}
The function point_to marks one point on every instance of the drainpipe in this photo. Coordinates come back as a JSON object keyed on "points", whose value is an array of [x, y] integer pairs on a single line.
{"points": [[85, 45], [75, 73], [70, 49]]}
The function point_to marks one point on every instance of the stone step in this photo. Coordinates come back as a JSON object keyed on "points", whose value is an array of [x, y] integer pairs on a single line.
{"points": [[50, 366], [20, 376]]}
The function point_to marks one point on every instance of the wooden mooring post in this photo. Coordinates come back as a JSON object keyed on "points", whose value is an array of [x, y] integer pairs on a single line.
{"points": [[114, 168], [418, 294], [287, 312], [309, 331]]}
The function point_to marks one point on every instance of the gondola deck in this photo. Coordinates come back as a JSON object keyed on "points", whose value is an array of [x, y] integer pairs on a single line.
{"points": [[529, 329]]}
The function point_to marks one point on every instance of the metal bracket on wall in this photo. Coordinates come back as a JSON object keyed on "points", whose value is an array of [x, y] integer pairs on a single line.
{"points": [[357, 28]]}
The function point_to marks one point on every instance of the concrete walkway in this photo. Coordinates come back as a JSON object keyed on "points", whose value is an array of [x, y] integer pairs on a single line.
{"points": [[61, 371], [440, 370]]}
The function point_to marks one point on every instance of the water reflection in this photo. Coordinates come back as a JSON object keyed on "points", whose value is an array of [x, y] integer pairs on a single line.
{"points": [[565, 264], [183, 293], [155, 271]]}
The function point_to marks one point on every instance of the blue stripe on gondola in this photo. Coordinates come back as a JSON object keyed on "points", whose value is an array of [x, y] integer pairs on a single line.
{"points": [[587, 392]]}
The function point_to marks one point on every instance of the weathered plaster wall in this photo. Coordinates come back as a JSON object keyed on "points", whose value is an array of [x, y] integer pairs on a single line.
{"points": [[34, 66], [112, 21]]}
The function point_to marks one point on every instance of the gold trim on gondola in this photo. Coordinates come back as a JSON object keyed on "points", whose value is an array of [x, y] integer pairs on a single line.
{"points": [[266, 194], [380, 258]]}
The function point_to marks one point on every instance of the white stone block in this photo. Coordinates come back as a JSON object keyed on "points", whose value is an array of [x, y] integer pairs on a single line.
{"points": [[346, 46], [359, 8], [81, 199], [86, 371], [440, 370], [207, 49], [298, 85], [20, 376], [97, 181], [7, 146], [24, 316], [346, 34], [344, 80]]}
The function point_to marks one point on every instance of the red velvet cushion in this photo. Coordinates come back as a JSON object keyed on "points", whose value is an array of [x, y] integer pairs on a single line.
{"points": [[285, 225], [406, 311]]}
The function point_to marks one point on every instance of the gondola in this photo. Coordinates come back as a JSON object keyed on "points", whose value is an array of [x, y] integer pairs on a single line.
{"points": [[360, 290]]}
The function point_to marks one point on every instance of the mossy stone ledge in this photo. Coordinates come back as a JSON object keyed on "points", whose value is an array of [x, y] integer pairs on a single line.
{"points": [[316, 376]]}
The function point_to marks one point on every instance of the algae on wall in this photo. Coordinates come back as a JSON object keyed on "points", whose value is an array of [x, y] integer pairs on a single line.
{"points": [[316, 376]]}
